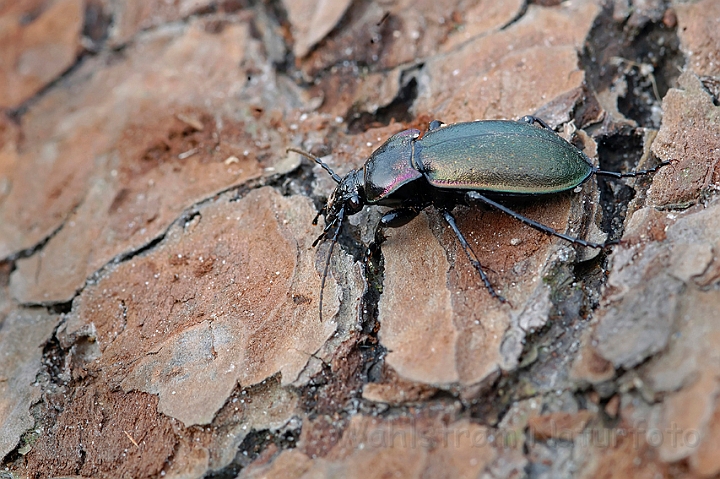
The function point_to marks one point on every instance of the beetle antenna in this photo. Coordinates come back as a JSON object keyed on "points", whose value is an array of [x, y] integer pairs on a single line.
{"points": [[340, 216], [318, 161]]}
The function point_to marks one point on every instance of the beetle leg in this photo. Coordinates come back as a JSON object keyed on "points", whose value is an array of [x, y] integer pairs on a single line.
{"points": [[341, 216], [631, 174], [475, 196], [435, 124], [398, 217], [395, 219], [391, 219], [450, 220], [317, 216], [534, 119], [324, 234]]}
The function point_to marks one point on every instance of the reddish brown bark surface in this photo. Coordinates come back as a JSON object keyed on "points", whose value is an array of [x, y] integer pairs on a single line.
{"points": [[159, 289]]}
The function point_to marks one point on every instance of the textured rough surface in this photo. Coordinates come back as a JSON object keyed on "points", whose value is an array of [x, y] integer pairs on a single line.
{"points": [[21, 338], [403, 447], [510, 73], [129, 165], [688, 138], [160, 290], [199, 331], [133, 16], [39, 40], [447, 329], [311, 21], [700, 36], [245, 334]]}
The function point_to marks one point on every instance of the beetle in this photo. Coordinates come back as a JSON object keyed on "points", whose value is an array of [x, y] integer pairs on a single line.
{"points": [[462, 163]]}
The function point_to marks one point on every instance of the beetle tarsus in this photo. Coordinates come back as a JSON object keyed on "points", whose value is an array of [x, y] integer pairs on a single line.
{"points": [[475, 196], [318, 239], [317, 216], [631, 174], [450, 220], [534, 119], [373, 248], [326, 269], [327, 228], [435, 124]]}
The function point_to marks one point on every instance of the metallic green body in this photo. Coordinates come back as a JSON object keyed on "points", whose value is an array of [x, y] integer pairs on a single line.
{"points": [[500, 156]]}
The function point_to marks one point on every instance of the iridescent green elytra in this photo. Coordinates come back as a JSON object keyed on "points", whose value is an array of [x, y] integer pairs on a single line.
{"points": [[500, 156]]}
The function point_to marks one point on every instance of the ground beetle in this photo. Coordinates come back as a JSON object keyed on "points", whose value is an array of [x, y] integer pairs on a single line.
{"points": [[462, 163]]}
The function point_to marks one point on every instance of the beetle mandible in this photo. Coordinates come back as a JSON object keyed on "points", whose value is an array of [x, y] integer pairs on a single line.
{"points": [[462, 163]]}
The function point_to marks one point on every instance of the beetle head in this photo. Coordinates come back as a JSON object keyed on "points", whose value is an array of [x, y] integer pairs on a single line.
{"points": [[347, 199]]}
